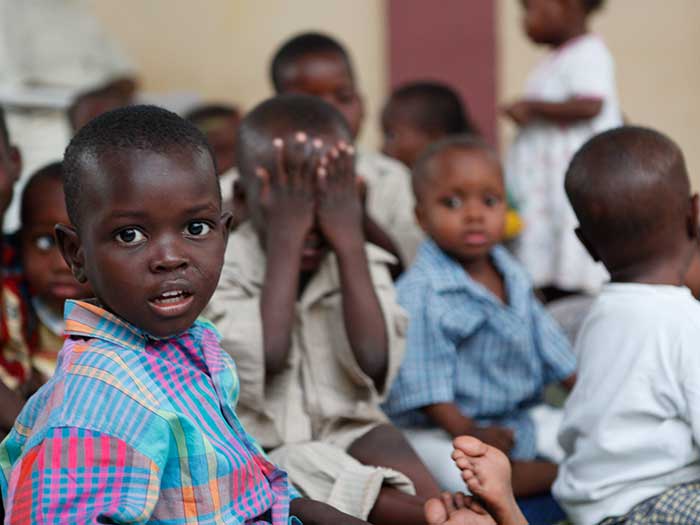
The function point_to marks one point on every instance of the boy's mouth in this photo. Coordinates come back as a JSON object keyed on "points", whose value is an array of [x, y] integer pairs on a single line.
{"points": [[171, 303]]}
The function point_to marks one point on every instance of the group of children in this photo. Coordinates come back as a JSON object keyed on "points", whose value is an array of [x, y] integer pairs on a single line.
{"points": [[366, 341]]}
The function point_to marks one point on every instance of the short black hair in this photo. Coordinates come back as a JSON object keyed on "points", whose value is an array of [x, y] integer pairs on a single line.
{"points": [[279, 116], [199, 115], [4, 133], [50, 172], [630, 191], [421, 174], [144, 128], [435, 108], [299, 46]]}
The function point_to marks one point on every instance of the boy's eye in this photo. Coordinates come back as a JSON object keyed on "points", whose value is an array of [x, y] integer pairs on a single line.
{"points": [[491, 200], [198, 228], [44, 242], [130, 236], [452, 202]]}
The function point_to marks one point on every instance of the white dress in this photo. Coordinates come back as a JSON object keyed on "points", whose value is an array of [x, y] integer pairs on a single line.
{"points": [[537, 161]]}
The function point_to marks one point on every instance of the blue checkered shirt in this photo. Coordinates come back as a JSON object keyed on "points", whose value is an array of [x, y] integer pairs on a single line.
{"points": [[466, 347]]}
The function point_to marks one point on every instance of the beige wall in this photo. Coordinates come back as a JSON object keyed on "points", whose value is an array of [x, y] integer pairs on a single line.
{"points": [[655, 45], [221, 48]]}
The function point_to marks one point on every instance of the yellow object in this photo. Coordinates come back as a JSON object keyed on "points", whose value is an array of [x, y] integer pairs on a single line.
{"points": [[514, 224]]}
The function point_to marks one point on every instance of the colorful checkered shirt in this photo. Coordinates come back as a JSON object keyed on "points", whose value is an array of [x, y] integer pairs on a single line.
{"points": [[133, 429], [464, 346]]}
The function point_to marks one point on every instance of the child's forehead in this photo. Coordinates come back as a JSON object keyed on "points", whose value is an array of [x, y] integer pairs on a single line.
{"points": [[317, 64], [464, 160]]}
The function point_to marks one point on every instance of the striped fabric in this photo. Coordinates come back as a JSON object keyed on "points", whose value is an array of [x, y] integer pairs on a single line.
{"points": [[465, 346], [133, 429]]}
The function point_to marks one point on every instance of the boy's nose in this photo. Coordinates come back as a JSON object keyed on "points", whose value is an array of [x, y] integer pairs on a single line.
{"points": [[168, 258]]}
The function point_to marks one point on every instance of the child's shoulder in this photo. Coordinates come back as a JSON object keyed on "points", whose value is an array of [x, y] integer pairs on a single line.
{"points": [[372, 165]]}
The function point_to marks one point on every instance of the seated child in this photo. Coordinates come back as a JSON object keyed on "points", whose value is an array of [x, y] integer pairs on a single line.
{"points": [[318, 65], [631, 425], [219, 123], [420, 113], [308, 312], [47, 274], [138, 424], [15, 365], [480, 347]]}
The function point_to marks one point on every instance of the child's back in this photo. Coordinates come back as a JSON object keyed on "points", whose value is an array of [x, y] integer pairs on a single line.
{"points": [[630, 427]]}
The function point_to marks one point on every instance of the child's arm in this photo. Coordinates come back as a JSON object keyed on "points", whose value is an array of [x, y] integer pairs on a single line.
{"points": [[312, 512], [573, 110], [448, 417], [287, 198], [340, 219]]}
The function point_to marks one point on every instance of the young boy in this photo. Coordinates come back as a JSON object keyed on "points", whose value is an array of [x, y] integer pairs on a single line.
{"points": [[630, 429], [138, 424], [46, 273], [308, 312], [219, 123], [318, 65], [480, 347], [420, 113]]}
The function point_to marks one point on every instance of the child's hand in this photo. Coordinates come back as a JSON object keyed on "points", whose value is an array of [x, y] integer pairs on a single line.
{"points": [[500, 437], [287, 195], [340, 210], [520, 112]]}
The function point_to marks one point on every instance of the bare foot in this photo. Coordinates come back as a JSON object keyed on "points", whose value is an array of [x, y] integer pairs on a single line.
{"points": [[456, 509], [486, 471]]}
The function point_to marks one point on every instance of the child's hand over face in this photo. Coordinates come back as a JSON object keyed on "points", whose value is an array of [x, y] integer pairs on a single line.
{"points": [[287, 195], [500, 437], [340, 209]]}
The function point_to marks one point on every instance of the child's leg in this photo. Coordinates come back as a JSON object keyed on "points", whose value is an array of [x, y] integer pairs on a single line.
{"points": [[531, 478], [487, 473], [386, 446]]}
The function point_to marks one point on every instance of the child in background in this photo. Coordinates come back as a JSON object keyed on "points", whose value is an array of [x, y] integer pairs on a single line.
{"points": [[219, 123], [318, 65], [569, 97], [308, 312], [139, 419], [631, 425], [480, 347], [47, 274], [420, 113]]}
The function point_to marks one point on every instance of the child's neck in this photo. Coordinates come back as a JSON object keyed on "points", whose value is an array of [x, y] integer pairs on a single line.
{"points": [[576, 30], [484, 271], [669, 271]]}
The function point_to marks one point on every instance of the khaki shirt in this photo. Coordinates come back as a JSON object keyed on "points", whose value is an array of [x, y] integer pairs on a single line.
{"points": [[390, 200], [322, 394]]}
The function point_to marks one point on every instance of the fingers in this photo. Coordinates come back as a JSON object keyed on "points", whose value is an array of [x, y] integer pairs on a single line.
{"points": [[280, 170], [264, 178]]}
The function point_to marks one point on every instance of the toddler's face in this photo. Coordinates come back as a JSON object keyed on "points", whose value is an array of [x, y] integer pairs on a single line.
{"points": [[543, 20], [326, 75], [403, 140], [222, 139], [462, 205], [47, 274], [152, 237]]}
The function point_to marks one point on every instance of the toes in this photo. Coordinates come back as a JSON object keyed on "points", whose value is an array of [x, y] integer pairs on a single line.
{"points": [[470, 446], [464, 463], [448, 502], [459, 500], [435, 513]]}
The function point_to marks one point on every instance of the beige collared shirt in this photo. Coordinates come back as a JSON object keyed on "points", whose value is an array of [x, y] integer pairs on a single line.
{"points": [[322, 394], [390, 200]]}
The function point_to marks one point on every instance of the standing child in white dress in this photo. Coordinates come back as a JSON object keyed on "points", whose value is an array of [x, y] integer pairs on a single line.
{"points": [[569, 97]]}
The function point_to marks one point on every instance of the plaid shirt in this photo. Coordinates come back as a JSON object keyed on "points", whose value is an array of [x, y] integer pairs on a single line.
{"points": [[466, 347], [133, 429]]}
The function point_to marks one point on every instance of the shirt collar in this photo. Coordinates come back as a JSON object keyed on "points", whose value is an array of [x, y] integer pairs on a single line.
{"points": [[84, 319]]}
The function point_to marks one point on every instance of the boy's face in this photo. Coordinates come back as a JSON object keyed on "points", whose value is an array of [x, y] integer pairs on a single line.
{"points": [[462, 206], [403, 140], [543, 20], [48, 275], [221, 136], [326, 75], [152, 237]]}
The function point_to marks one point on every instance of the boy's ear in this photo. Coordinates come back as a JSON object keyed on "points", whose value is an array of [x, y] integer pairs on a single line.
{"points": [[71, 250], [692, 219], [15, 163], [589, 247]]}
